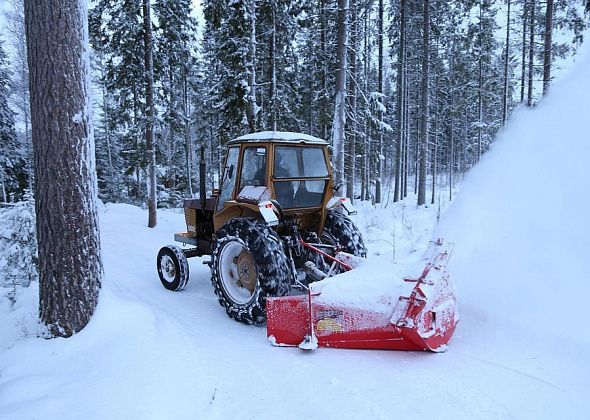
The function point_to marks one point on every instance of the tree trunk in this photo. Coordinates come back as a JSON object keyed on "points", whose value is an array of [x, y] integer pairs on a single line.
{"points": [[150, 113], [379, 165], [400, 99], [252, 111], [70, 268], [523, 61], [187, 132], [273, 73], [531, 52], [324, 71], [548, 47], [424, 105], [480, 83], [365, 158], [338, 130], [506, 62], [351, 150]]}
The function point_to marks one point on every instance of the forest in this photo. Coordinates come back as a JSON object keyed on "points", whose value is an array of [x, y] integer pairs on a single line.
{"points": [[426, 87]]}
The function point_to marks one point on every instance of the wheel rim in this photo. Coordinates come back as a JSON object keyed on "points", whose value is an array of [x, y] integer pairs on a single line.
{"points": [[168, 268], [238, 272]]}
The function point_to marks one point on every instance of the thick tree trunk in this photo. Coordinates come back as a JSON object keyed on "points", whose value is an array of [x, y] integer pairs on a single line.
{"points": [[70, 268], [424, 105], [150, 113], [548, 47], [339, 125]]}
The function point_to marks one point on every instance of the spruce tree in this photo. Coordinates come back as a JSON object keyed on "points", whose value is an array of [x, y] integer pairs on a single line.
{"points": [[11, 155]]}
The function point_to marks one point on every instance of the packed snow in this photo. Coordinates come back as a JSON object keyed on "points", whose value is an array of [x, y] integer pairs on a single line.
{"points": [[520, 228]]}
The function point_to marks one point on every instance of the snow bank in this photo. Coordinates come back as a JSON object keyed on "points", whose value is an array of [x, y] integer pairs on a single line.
{"points": [[521, 223]]}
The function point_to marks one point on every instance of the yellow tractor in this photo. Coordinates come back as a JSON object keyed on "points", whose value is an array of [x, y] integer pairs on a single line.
{"points": [[273, 226]]}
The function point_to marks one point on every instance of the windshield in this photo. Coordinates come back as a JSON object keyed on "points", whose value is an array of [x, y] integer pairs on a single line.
{"points": [[299, 162]]}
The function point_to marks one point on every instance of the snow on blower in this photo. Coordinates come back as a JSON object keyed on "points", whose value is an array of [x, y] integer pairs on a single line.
{"points": [[275, 230]]}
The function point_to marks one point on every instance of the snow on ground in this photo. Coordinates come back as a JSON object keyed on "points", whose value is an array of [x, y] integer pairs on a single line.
{"points": [[520, 351]]}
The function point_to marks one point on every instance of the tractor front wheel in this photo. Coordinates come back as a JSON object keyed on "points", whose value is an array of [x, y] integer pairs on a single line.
{"points": [[340, 230], [172, 268], [248, 264]]}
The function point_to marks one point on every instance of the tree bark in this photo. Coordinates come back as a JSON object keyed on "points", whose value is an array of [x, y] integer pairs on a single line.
{"points": [[379, 165], [351, 149], [150, 113], [523, 62], [480, 83], [70, 268], [400, 99], [548, 47], [273, 72], [506, 62], [188, 150], [339, 125], [424, 105], [252, 110], [531, 52]]}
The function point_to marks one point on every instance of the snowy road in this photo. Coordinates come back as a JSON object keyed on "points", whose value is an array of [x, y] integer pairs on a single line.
{"points": [[520, 350], [153, 354]]}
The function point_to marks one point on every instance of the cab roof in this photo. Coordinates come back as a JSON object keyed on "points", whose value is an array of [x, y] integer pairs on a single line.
{"points": [[279, 137]]}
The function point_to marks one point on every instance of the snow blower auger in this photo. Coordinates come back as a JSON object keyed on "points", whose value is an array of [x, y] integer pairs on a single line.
{"points": [[425, 319]]}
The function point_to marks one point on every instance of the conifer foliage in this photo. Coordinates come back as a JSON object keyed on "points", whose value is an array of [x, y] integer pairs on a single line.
{"points": [[252, 65]]}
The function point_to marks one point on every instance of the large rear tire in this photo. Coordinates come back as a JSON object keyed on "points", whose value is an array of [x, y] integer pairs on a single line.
{"points": [[172, 268], [340, 230], [248, 264]]}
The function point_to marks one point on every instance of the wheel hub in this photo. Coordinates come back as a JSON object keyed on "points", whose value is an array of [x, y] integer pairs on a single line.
{"points": [[246, 270], [168, 268]]}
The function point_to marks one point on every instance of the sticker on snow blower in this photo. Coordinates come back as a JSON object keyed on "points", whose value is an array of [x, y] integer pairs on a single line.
{"points": [[330, 321]]}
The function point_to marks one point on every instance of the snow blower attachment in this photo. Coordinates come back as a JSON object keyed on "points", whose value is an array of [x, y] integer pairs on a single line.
{"points": [[425, 319]]}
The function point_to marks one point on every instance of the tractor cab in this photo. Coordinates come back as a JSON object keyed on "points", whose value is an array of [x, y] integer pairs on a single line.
{"points": [[292, 170]]}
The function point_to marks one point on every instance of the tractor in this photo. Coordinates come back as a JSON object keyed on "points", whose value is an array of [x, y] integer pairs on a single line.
{"points": [[273, 227]]}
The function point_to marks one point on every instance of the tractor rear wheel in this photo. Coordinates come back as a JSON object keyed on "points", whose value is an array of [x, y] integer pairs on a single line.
{"points": [[248, 264], [340, 230], [172, 268]]}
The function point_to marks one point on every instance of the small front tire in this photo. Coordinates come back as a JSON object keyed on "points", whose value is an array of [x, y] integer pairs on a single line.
{"points": [[172, 268]]}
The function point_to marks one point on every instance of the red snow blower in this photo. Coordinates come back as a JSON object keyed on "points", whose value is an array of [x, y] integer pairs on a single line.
{"points": [[425, 319]]}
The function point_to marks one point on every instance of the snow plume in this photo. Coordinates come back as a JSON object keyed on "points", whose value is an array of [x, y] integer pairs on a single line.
{"points": [[521, 223]]}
